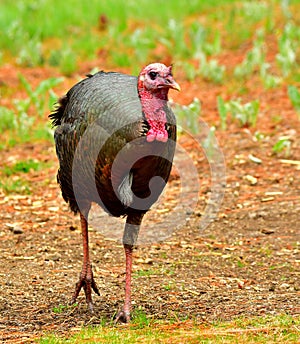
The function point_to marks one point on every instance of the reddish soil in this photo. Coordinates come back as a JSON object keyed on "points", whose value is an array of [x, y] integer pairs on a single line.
{"points": [[245, 263]]}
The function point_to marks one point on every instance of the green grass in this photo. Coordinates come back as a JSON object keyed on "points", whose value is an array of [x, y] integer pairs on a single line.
{"points": [[23, 167], [145, 273], [12, 176], [131, 31], [15, 186], [60, 309], [49, 32], [25, 120], [266, 329]]}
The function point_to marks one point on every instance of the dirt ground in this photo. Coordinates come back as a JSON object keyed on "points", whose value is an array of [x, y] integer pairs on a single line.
{"points": [[245, 263]]}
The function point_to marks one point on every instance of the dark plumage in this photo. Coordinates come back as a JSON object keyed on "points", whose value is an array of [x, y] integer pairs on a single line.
{"points": [[115, 140]]}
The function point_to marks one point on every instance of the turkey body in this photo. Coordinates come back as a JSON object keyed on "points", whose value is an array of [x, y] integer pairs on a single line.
{"points": [[99, 120], [115, 139]]}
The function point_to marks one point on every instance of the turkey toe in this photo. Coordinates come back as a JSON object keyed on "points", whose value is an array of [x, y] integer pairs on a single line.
{"points": [[88, 285], [122, 317]]}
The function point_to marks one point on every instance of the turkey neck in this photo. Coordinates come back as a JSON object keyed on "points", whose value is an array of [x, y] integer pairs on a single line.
{"points": [[153, 106]]}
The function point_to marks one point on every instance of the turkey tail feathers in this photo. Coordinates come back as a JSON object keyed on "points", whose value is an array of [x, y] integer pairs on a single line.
{"points": [[58, 113]]}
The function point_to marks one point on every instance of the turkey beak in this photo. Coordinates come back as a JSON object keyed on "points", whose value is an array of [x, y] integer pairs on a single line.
{"points": [[175, 86], [171, 83]]}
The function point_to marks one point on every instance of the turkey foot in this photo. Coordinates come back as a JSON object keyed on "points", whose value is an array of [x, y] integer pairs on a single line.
{"points": [[86, 279], [87, 282], [123, 317]]}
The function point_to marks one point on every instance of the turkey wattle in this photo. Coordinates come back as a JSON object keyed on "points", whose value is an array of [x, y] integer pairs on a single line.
{"points": [[114, 134]]}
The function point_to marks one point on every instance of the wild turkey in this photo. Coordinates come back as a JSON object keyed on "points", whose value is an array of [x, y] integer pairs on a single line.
{"points": [[115, 138]]}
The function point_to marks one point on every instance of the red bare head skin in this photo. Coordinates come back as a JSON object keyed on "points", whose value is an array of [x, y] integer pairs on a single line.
{"points": [[154, 82], [157, 78]]}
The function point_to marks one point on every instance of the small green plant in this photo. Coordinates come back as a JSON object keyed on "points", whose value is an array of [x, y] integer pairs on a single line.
{"points": [[285, 8], [66, 59], [286, 57], [142, 41], [255, 62], [240, 263], [209, 143], [27, 47], [188, 116], [283, 145], [189, 70], [139, 318], [59, 309], [294, 96], [246, 114], [255, 10], [211, 70], [174, 39], [22, 166], [189, 41], [144, 273], [268, 80], [258, 136], [17, 124], [31, 54], [37, 97], [222, 112], [7, 119], [169, 286], [254, 58], [288, 45], [15, 186], [199, 42], [63, 308]]}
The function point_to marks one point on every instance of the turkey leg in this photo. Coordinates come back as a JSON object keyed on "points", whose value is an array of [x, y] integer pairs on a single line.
{"points": [[124, 315], [86, 279], [131, 231]]}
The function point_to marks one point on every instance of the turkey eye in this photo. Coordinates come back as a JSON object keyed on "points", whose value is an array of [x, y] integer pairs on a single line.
{"points": [[152, 75]]}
